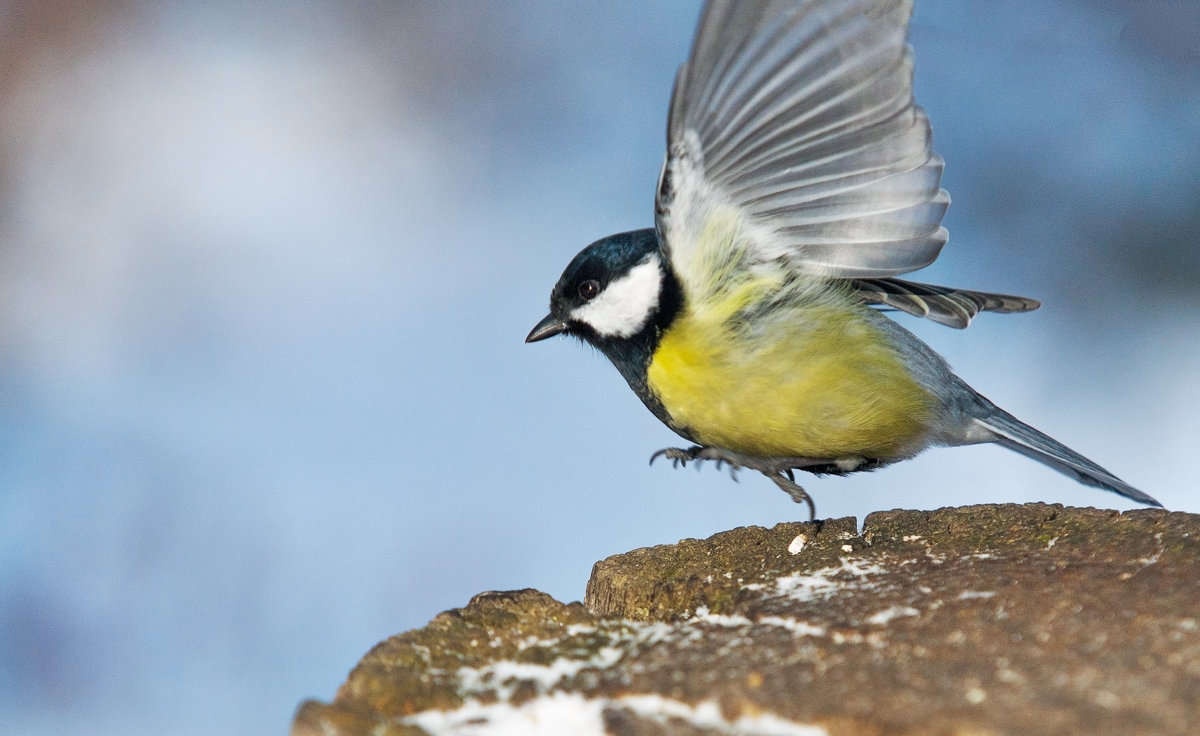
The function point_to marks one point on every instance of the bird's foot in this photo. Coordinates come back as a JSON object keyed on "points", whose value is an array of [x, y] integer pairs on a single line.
{"points": [[680, 457], [787, 483], [779, 470]]}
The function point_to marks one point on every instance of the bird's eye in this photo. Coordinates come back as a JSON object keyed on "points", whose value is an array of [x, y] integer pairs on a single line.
{"points": [[589, 289]]}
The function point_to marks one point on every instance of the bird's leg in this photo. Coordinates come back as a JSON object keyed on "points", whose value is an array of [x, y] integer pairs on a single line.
{"points": [[787, 483], [779, 470]]}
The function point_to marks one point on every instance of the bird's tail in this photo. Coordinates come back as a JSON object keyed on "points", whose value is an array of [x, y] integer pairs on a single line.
{"points": [[1019, 436]]}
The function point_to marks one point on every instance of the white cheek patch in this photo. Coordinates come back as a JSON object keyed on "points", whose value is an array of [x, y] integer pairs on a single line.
{"points": [[624, 307]]}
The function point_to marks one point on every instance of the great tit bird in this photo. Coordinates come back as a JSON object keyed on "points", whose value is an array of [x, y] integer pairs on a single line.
{"points": [[799, 181]]}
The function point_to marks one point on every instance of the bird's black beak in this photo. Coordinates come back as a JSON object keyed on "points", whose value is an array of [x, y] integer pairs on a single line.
{"points": [[548, 327]]}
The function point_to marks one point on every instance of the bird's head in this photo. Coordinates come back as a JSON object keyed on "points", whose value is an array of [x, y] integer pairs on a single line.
{"points": [[615, 291]]}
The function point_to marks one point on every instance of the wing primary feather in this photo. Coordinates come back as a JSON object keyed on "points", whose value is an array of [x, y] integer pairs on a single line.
{"points": [[813, 126], [944, 305], [766, 107], [798, 120]]}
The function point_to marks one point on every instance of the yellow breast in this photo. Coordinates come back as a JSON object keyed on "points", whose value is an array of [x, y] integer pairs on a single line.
{"points": [[818, 381]]}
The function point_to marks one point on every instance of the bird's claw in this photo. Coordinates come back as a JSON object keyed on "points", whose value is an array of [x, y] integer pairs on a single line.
{"points": [[789, 486], [780, 471], [678, 456]]}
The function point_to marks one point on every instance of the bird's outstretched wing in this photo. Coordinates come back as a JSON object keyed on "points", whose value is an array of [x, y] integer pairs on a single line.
{"points": [[797, 119]]}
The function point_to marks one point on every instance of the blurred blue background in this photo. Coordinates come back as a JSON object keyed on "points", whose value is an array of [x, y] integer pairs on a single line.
{"points": [[265, 273]]}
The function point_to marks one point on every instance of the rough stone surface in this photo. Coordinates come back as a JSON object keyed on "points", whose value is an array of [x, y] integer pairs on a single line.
{"points": [[981, 620]]}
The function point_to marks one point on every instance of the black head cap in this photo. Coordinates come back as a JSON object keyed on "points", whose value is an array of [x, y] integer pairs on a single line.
{"points": [[587, 276]]}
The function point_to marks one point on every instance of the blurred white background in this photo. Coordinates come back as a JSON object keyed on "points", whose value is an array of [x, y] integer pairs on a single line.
{"points": [[265, 273]]}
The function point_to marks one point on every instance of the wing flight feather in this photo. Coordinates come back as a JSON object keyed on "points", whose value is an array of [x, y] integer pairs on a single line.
{"points": [[950, 307], [800, 117]]}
